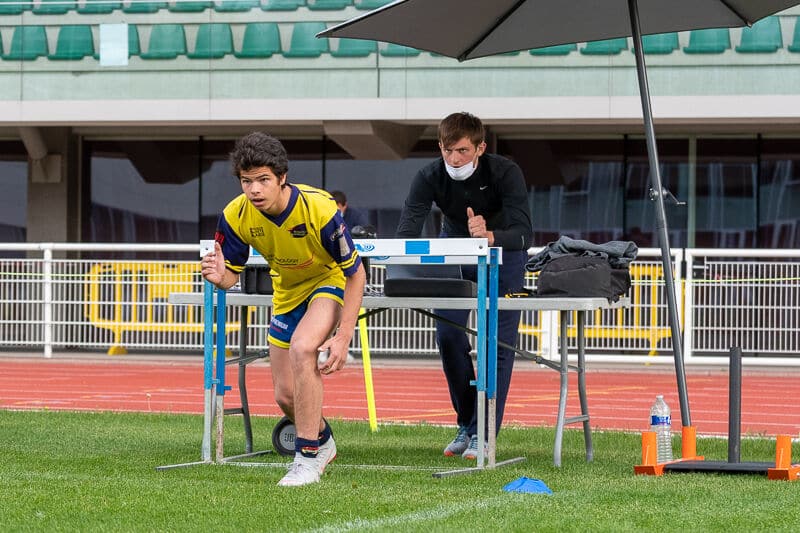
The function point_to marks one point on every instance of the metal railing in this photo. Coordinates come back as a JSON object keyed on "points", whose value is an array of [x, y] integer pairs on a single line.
{"points": [[53, 298]]}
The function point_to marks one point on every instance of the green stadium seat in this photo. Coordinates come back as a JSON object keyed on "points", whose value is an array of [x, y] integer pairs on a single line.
{"points": [[13, 7], [710, 41], [607, 47], [137, 6], [557, 50], [660, 43], [134, 49], [327, 5], [190, 6], [355, 48], [98, 7], [28, 43], [53, 7], [167, 41], [304, 41], [398, 50], [74, 42], [234, 6], [282, 5], [214, 40], [763, 37], [261, 39], [370, 4], [795, 46]]}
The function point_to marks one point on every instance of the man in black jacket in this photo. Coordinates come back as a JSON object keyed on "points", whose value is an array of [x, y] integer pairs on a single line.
{"points": [[480, 195]]}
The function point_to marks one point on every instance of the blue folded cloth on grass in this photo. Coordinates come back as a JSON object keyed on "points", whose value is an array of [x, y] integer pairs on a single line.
{"points": [[528, 485]]}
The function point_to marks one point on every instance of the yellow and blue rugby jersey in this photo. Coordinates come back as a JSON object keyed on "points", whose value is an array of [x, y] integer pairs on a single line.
{"points": [[307, 245]]}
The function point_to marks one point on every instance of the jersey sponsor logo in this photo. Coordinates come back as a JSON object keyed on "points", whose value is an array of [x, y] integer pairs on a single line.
{"points": [[257, 232], [364, 247], [219, 237], [299, 231]]}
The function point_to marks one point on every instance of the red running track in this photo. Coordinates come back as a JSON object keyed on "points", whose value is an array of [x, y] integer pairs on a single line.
{"points": [[406, 391]]}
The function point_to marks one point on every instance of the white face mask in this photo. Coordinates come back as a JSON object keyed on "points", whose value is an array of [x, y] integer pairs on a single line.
{"points": [[461, 173]]}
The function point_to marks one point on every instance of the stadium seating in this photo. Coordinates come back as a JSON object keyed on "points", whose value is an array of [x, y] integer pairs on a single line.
{"points": [[660, 43], [261, 40], [12, 7], [557, 50], [167, 41], [711, 41], [304, 41], [53, 7], [795, 45], [190, 6], [233, 6], [370, 4], [606, 47], [134, 48], [74, 42], [28, 43], [282, 5], [354, 48], [398, 50], [137, 6], [98, 7], [762, 37], [214, 40], [327, 5]]}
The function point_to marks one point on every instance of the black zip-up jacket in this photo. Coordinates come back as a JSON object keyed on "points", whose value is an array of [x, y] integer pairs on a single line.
{"points": [[496, 191]]}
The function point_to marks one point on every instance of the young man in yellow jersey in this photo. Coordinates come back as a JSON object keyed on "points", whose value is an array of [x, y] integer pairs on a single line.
{"points": [[318, 282]]}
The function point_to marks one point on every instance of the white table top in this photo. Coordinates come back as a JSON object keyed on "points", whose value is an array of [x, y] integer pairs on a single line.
{"points": [[387, 302]]}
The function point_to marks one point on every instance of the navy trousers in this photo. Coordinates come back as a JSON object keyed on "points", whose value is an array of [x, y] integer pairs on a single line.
{"points": [[454, 345]]}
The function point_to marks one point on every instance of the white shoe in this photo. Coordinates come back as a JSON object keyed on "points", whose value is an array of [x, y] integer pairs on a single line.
{"points": [[302, 471], [326, 453]]}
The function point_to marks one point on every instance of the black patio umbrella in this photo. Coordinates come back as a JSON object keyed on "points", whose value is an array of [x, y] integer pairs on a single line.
{"points": [[469, 29]]}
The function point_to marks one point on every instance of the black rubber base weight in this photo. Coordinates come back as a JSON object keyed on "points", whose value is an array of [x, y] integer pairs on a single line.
{"points": [[721, 467]]}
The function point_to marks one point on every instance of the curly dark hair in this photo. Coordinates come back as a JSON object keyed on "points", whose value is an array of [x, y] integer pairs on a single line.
{"points": [[259, 149]]}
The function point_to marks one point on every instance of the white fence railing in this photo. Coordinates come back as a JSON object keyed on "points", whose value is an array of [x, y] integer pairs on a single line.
{"points": [[53, 297]]}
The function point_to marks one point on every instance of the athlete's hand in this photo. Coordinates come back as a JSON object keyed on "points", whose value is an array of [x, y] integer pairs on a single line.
{"points": [[213, 265], [337, 350], [477, 226]]}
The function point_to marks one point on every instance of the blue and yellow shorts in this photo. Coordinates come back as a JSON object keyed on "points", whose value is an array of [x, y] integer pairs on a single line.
{"points": [[281, 327]]}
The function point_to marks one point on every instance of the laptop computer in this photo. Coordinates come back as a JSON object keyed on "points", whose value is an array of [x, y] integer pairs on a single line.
{"points": [[437, 281]]}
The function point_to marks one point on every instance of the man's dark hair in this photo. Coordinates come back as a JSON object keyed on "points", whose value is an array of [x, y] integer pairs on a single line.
{"points": [[259, 149], [339, 197], [456, 126]]}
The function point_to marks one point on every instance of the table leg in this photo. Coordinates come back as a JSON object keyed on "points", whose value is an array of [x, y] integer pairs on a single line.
{"points": [[562, 398], [587, 427]]}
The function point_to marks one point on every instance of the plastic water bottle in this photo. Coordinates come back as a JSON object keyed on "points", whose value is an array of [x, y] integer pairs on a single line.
{"points": [[661, 424]]}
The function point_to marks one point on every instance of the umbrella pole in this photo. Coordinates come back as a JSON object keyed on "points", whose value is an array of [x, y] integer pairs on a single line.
{"points": [[661, 216]]}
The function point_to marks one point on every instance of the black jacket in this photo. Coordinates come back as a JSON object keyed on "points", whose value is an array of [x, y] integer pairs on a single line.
{"points": [[496, 191]]}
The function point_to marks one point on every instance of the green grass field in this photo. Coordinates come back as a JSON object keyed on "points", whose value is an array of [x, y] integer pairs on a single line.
{"points": [[96, 472]]}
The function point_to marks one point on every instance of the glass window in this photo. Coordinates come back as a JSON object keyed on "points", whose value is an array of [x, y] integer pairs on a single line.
{"points": [[575, 187], [14, 200], [779, 194], [143, 192], [640, 210], [727, 179]]}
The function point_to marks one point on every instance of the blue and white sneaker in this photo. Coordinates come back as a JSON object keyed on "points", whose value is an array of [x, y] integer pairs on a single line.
{"points": [[459, 444], [471, 451]]}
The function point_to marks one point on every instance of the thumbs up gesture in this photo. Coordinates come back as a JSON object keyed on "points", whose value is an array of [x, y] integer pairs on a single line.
{"points": [[477, 226]]}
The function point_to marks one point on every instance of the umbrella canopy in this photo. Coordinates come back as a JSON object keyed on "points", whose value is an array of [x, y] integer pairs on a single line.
{"points": [[468, 29]]}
